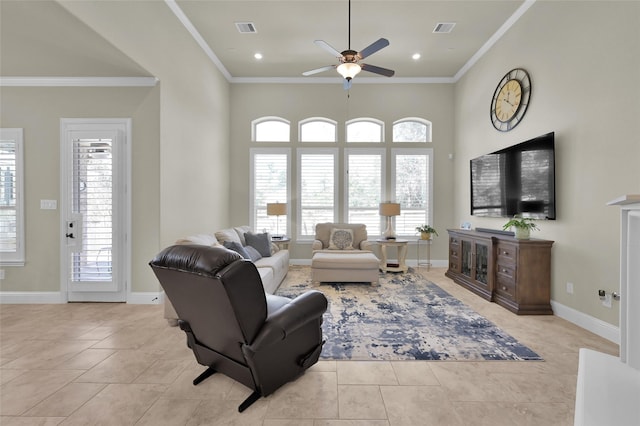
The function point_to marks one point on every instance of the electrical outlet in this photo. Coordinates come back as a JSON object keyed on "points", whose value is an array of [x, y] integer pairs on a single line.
{"points": [[606, 301], [570, 288]]}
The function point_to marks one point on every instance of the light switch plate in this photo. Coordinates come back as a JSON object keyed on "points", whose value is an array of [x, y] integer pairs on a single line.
{"points": [[48, 204]]}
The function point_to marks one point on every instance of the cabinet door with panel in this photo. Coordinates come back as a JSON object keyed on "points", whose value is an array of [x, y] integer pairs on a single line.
{"points": [[475, 265], [454, 253]]}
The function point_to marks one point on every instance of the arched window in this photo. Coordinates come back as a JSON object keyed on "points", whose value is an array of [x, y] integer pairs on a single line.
{"points": [[270, 129], [318, 129], [412, 129], [365, 130]]}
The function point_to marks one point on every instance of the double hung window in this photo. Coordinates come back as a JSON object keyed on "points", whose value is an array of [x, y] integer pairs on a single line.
{"points": [[269, 184], [11, 197], [317, 200], [411, 172], [364, 186]]}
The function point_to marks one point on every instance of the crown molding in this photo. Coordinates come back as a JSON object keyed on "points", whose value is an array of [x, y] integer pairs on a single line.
{"points": [[334, 80], [78, 81]]}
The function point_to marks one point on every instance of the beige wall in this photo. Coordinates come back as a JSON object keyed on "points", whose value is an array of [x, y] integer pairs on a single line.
{"points": [[194, 110], [581, 71], [388, 102], [180, 140], [38, 112]]}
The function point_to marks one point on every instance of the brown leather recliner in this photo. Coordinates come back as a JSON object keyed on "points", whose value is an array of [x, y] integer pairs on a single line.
{"points": [[262, 341]]}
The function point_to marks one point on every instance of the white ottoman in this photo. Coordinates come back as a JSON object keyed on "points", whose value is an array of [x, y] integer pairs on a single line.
{"points": [[344, 266]]}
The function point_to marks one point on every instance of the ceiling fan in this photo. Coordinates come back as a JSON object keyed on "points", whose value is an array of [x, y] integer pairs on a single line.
{"points": [[348, 60]]}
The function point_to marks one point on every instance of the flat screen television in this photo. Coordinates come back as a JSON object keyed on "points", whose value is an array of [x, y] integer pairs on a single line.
{"points": [[519, 180]]}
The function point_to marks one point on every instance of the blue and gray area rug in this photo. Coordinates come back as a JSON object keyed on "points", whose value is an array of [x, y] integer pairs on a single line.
{"points": [[405, 317]]}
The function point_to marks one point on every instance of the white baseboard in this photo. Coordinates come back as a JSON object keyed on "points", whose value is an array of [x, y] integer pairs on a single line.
{"points": [[53, 297], [410, 262], [31, 297], [146, 298], [592, 324]]}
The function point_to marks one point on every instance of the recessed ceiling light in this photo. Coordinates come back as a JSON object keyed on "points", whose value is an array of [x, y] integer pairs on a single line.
{"points": [[258, 56], [415, 56]]}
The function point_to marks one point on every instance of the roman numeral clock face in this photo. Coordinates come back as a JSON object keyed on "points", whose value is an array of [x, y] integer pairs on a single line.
{"points": [[510, 100]]}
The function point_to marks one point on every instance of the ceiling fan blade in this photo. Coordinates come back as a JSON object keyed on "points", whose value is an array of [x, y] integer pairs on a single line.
{"points": [[373, 48], [318, 70], [326, 46], [347, 84], [378, 70]]}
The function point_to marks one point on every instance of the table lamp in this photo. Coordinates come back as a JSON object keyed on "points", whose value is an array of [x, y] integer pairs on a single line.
{"points": [[389, 210], [277, 210]]}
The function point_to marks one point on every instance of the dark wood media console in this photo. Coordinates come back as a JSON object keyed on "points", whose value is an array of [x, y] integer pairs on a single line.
{"points": [[515, 274]]}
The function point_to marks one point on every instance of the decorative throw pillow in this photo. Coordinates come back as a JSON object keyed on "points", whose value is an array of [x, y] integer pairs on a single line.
{"points": [[254, 254], [341, 239], [228, 234], [260, 242], [201, 239], [232, 245]]}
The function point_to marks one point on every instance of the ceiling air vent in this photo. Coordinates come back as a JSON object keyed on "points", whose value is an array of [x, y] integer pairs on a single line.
{"points": [[246, 27], [444, 27]]}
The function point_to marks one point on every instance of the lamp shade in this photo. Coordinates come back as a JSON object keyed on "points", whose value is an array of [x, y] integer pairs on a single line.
{"points": [[276, 209], [389, 209], [348, 70]]}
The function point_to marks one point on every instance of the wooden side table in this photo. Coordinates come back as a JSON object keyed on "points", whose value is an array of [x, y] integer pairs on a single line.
{"points": [[401, 246]]}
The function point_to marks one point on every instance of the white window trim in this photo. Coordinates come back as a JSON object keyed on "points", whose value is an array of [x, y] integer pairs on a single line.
{"points": [[383, 178], [361, 120], [17, 258], [321, 119], [252, 199], [299, 152], [418, 120], [414, 151]]}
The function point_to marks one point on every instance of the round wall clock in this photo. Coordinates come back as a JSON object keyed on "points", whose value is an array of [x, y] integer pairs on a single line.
{"points": [[510, 100]]}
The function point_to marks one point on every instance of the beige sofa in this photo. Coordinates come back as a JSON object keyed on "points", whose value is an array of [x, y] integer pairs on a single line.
{"points": [[346, 258], [272, 269]]}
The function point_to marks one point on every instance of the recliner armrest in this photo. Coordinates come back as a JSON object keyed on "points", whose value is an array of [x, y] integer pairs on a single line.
{"points": [[300, 311], [317, 245]]}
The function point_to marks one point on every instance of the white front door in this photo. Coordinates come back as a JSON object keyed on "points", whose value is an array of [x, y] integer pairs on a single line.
{"points": [[95, 209]]}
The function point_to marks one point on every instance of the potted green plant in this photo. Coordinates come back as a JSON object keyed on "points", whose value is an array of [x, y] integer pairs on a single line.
{"points": [[523, 226], [426, 231]]}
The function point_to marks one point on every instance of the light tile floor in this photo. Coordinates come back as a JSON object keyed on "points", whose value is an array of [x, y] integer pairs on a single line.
{"points": [[118, 364]]}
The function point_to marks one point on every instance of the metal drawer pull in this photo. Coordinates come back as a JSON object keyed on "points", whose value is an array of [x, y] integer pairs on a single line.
{"points": [[504, 288]]}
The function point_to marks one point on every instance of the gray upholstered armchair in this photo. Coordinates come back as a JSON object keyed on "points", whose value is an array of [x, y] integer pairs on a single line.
{"points": [[262, 341]]}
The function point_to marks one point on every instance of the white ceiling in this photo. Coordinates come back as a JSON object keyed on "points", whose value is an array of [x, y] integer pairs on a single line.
{"points": [[285, 36], [286, 31]]}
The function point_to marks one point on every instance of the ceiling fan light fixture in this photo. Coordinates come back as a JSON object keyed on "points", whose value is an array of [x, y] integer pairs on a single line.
{"points": [[348, 70]]}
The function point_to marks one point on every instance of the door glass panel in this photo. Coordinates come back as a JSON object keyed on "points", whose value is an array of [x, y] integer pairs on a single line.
{"points": [[482, 255], [93, 202], [467, 258]]}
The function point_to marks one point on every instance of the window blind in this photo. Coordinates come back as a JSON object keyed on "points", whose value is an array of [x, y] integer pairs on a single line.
{"points": [[269, 186], [317, 191], [364, 186]]}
